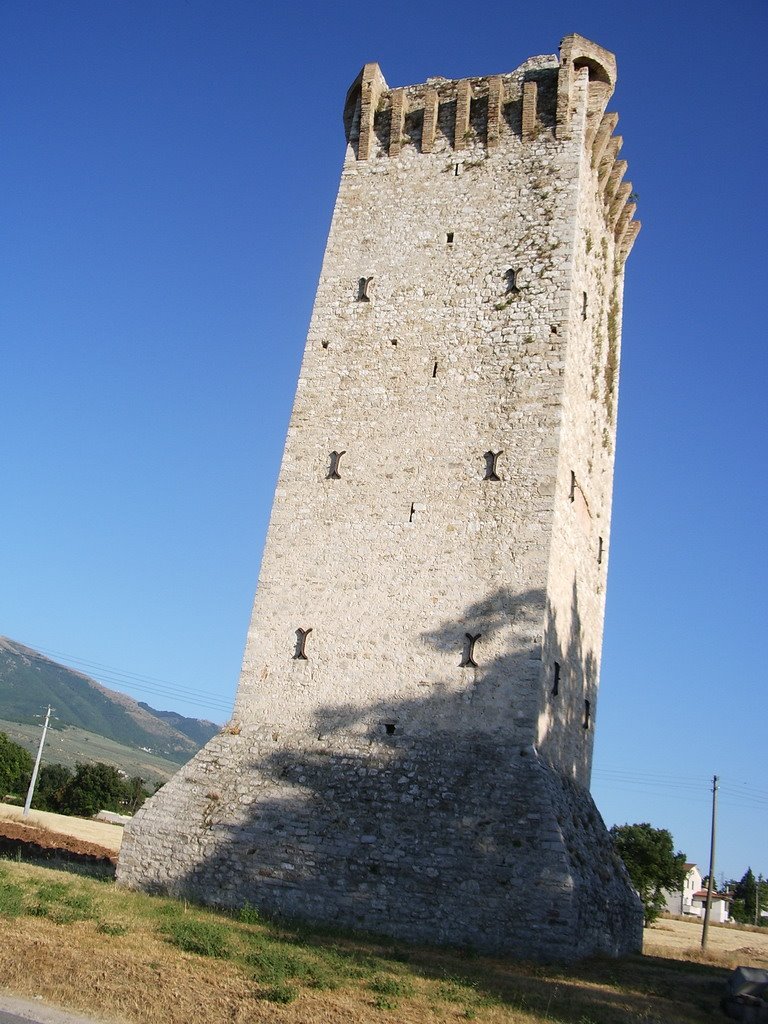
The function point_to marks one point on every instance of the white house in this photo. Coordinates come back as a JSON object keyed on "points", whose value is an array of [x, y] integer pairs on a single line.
{"points": [[691, 899]]}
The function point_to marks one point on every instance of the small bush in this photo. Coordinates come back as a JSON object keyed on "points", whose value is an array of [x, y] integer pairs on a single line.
{"points": [[280, 994], [324, 981], [272, 964], [111, 928], [386, 985], [453, 992], [203, 937], [249, 915], [385, 1003]]}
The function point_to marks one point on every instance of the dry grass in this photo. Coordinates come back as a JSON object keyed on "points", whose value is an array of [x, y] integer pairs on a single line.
{"points": [[726, 946], [97, 832], [93, 947]]}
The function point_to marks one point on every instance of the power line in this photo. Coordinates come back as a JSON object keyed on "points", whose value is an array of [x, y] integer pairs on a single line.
{"points": [[139, 683], [118, 672], [735, 794]]}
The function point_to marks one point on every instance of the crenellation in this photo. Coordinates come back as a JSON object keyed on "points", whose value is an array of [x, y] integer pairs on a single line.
{"points": [[623, 223], [602, 137], [371, 88], [609, 159], [397, 121], [628, 240], [397, 744], [528, 120], [429, 122], [463, 102], [619, 204], [618, 171], [493, 118]]}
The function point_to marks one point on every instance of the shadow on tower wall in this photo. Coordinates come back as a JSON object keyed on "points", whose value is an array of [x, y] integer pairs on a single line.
{"points": [[457, 832]]}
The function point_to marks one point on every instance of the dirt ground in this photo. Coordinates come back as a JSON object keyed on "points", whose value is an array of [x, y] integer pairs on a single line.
{"points": [[680, 940], [108, 837]]}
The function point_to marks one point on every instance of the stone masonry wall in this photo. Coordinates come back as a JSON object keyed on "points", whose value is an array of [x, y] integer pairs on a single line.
{"points": [[427, 840], [397, 759]]}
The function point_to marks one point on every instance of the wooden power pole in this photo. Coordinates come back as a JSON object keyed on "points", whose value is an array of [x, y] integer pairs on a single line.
{"points": [[711, 881]]}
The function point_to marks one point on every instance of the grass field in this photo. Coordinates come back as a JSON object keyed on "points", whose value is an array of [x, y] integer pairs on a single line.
{"points": [[93, 947]]}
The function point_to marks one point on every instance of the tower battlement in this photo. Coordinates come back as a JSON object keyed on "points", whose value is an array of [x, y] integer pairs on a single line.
{"points": [[411, 744], [545, 101]]}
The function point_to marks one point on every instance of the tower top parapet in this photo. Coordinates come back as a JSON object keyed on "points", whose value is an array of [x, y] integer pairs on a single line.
{"points": [[546, 102]]}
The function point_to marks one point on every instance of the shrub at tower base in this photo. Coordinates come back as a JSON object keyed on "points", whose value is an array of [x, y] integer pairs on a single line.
{"points": [[411, 746]]}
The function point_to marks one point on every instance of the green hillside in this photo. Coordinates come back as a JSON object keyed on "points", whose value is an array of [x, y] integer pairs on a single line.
{"points": [[198, 730], [75, 746], [29, 682]]}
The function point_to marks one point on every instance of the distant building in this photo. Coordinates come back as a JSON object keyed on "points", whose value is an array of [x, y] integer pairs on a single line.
{"points": [[691, 899]]}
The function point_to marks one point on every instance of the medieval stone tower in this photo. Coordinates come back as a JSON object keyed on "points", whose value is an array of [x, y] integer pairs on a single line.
{"points": [[411, 744]]}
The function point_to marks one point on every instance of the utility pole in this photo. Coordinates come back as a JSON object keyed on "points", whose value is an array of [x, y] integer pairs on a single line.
{"points": [[710, 883], [758, 883], [33, 780]]}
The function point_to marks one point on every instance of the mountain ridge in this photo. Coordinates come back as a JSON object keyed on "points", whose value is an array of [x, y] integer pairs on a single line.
{"points": [[29, 681]]}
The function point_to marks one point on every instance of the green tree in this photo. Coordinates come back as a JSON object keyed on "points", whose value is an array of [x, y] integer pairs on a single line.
{"points": [[93, 788], [744, 896], [134, 795], [15, 768], [51, 786], [651, 862]]}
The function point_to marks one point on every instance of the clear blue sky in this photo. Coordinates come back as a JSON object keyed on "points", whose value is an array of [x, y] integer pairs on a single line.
{"points": [[167, 177]]}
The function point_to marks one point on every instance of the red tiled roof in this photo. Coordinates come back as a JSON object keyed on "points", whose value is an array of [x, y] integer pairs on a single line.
{"points": [[702, 895]]}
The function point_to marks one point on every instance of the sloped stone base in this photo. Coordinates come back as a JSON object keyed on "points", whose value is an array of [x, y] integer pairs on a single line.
{"points": [[448, 840]]}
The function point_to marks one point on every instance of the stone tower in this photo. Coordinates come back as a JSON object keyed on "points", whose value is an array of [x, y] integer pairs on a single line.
{"points": [[411, 744]]}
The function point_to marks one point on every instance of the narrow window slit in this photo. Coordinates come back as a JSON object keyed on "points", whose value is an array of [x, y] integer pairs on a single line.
{"points": [[584, 301], [364, 286], [457, 169], [587, 714], [599, 550], [491, 464], [301, 642], [572, 492], [556, 680], [412, 512], [333, 472], [470, 639], [434, 370], [511, 281], [449, 238]]}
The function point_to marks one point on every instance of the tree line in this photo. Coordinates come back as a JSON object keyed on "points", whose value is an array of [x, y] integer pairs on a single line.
{"points": [[750, 896], [653, 866], [88, 789]]}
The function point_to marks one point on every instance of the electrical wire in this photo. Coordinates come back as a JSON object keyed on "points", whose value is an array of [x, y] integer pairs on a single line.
{"points": [[131, 681]]}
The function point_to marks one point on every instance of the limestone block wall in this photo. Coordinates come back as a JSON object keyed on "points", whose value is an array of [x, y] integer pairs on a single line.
{"points": [[408, 547], [435, 840], [582, 507], [397, 757]]}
